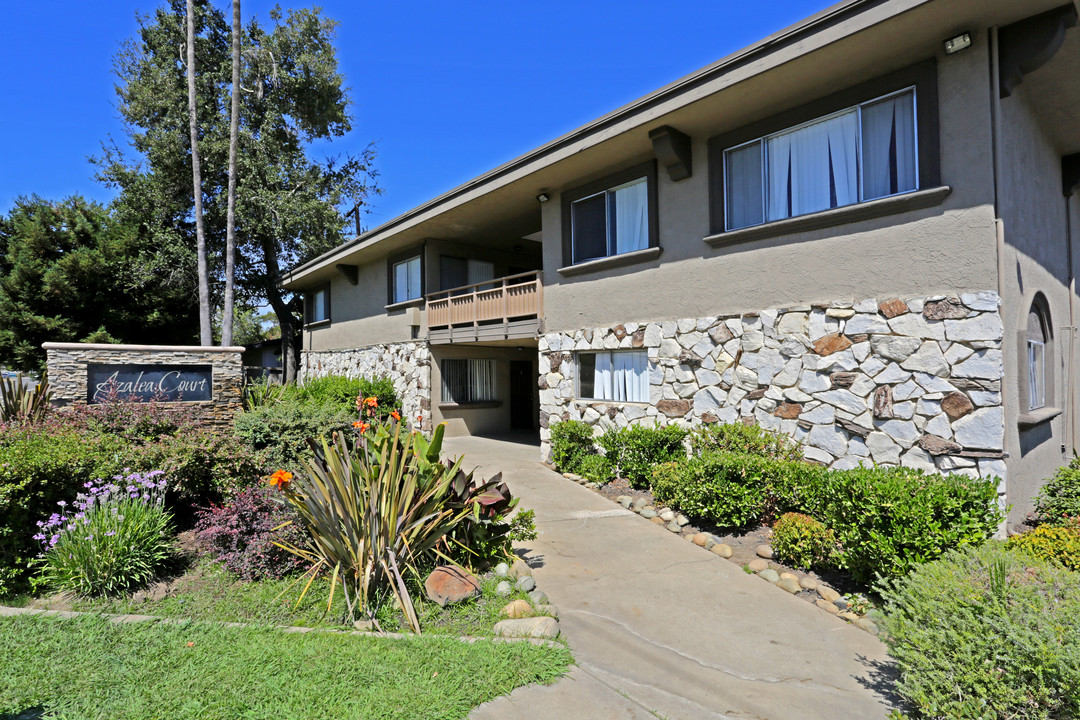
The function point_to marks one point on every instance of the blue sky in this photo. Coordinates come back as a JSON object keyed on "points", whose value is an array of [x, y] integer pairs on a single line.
{"points": [[445, 90]]}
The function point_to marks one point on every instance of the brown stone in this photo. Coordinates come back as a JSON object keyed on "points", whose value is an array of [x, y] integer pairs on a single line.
{"points": [[720, 333], [956, 405], [860, 338], [709, 418], [804, 425], [842, 379], [936, 445], [756, 394], [722, 549], [542, 383], [827, 607], [831, 343], [555, 360], [544, 419], [657, 520], [612, 412], [986, 454], [620, 331], [700, 539], [853, 428], [758, 564], [448, 584], [689, 359], [638, 338], [947, 309], [673, 408], [883, 402], [827, 593], [892, 307], [788, 410], [517, 609]]}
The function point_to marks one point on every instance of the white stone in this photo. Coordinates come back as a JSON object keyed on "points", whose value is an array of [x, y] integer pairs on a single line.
{"points": [[927, 360], [828, 438], [653, 335], [861, 351], [841, 361], [656, 375], [951, 462], [907, 391], [869, 305], [984, 301], [892, 375], [690, 339], [882, 448], [768, 318], [915, 305], [790, 374], [919, 459], [872, 366], [751, 322], [591, 415], [983, 429], [813, 382], [933, 384], [668, 328], [752, 340], [766, 419], [670, 348], [981, 327], [554, 342], [793, 323], [981, 398], [930, 408], [904, 410], [861, 324], [704, 348], [685, 325], [770, 364], [774, 393], [983, 364], [862, 386], [902, 431], [894, 347], [704, 323], [917, 326], [685, 390], [735, 326], [857, 447], [746, 378], [843, 399], [708, 400], [839, 313], [821, 415], [684, 374], [989, 467], [957, 352], [767, 404], [939, 425], [817, 454], [707, 377], [796, 395], [723, 362]]}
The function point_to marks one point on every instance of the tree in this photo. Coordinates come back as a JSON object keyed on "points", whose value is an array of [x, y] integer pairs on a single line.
{"points": [[196, 175], [230, 218], [288, 205], [70, 272]]}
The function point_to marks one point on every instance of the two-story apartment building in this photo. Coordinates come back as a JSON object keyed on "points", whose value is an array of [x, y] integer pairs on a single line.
{"points": [[859, 231]]}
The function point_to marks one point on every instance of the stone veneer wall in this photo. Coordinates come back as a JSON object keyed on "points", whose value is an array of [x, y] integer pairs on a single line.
{"points": [[66, 363], [913, 382], [407, 364]]}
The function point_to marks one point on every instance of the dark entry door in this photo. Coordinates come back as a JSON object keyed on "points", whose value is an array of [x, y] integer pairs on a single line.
{"points": [[522, 384]]}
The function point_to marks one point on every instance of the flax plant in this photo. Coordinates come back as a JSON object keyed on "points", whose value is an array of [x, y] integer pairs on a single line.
{"points": [[374, 507], [23, 403]]}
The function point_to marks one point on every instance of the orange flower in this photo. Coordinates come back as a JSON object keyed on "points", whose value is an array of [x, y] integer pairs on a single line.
{"points": [[395, 414], [280, 478], [371, 402], [357, 424], [362, 426]]}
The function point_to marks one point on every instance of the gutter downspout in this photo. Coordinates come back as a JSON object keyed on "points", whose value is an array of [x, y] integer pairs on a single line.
{"points": [[1070, 397]]}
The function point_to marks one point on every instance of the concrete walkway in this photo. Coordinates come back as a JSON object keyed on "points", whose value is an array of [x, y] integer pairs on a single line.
{"points": [[662, 628]]}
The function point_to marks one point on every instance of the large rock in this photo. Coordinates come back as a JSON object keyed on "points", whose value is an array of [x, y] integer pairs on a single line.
{"points": [[937, 445], [673, 408], [534, 627], [448, 584], [831, 343], [928, 359], [892, 307], [947, 309], [956, 405], [895, 347], [981, 327], [517, 609], [983, 429]]}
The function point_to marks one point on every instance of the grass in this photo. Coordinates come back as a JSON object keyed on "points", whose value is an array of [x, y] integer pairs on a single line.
{"points": [[209, 592], [92, 668]]}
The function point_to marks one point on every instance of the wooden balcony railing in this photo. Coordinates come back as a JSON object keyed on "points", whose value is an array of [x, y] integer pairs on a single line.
{"points": [[503, 299]]}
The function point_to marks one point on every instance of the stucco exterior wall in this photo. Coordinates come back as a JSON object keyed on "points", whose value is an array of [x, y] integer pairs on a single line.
{"points": [[486, 419], [67, 372], [1035, 227]]}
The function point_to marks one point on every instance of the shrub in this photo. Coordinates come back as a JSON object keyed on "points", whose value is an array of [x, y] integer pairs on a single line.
{"points": [[279, 433], [596, 468], [633, 451], [571, 443], [986, 633], [241, 534], [889, 520], [1060, 544], [114, 538], [803, 541], [744, 439], [21, 403], [338, 391], [1059, 498]]}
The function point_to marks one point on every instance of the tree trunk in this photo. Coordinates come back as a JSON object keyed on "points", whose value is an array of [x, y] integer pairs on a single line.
{"points": [[281, 308], [205, 336], [230, 218]]}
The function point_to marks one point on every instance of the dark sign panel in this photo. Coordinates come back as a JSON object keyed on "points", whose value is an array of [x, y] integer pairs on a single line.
{"points": [[165, 383]]}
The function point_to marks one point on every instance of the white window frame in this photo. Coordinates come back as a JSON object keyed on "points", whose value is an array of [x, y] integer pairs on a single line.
{"points": [[1036, 374], [609, 238], [644, 391], [763, 141], [409, 291], [314, 314]]}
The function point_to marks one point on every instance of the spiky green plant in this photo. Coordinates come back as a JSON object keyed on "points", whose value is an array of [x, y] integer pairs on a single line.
{"points": [[375, 507], [22, 402]]}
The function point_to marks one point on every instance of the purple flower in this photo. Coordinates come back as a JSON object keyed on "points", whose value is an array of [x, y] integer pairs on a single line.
{"points": [[110, 533]]}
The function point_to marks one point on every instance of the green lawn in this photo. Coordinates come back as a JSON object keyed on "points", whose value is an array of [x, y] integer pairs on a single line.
{"points": [[92, 668]]}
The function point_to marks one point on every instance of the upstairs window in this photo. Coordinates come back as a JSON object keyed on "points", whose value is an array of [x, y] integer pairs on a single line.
{"points": [[618, 376], [611, 222], [406, 281], [468, 380], [318, 305], [863, 152], [456, 271]]}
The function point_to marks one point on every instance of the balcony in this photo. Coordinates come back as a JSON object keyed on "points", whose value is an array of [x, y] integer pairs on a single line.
{"points": [[505, 308]]}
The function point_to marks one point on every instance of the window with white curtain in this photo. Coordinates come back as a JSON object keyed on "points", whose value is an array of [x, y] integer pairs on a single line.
{"points": [[862, 153], [1038, 337], [406, 276], [611, 222], [614, 375], [468, 380]]}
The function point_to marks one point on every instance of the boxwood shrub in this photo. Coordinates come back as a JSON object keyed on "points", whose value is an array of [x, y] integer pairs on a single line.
{"points": [[571, 443], [1059, 498], [986, 633], [633, 451]]}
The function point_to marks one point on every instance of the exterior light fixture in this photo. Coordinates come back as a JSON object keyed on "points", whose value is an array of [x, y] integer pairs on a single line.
{"points": [[543, 197], [958, 43]]}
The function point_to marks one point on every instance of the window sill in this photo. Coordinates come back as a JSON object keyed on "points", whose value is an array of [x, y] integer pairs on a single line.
{"points": [[485, 405], [1035, 417], [915, 200], [318, 324], [595, 401], [417, 302], [614, 261]]}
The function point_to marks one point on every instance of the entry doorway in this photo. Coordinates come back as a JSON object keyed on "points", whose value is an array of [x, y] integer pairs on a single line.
{"points": [[523, 394]]}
